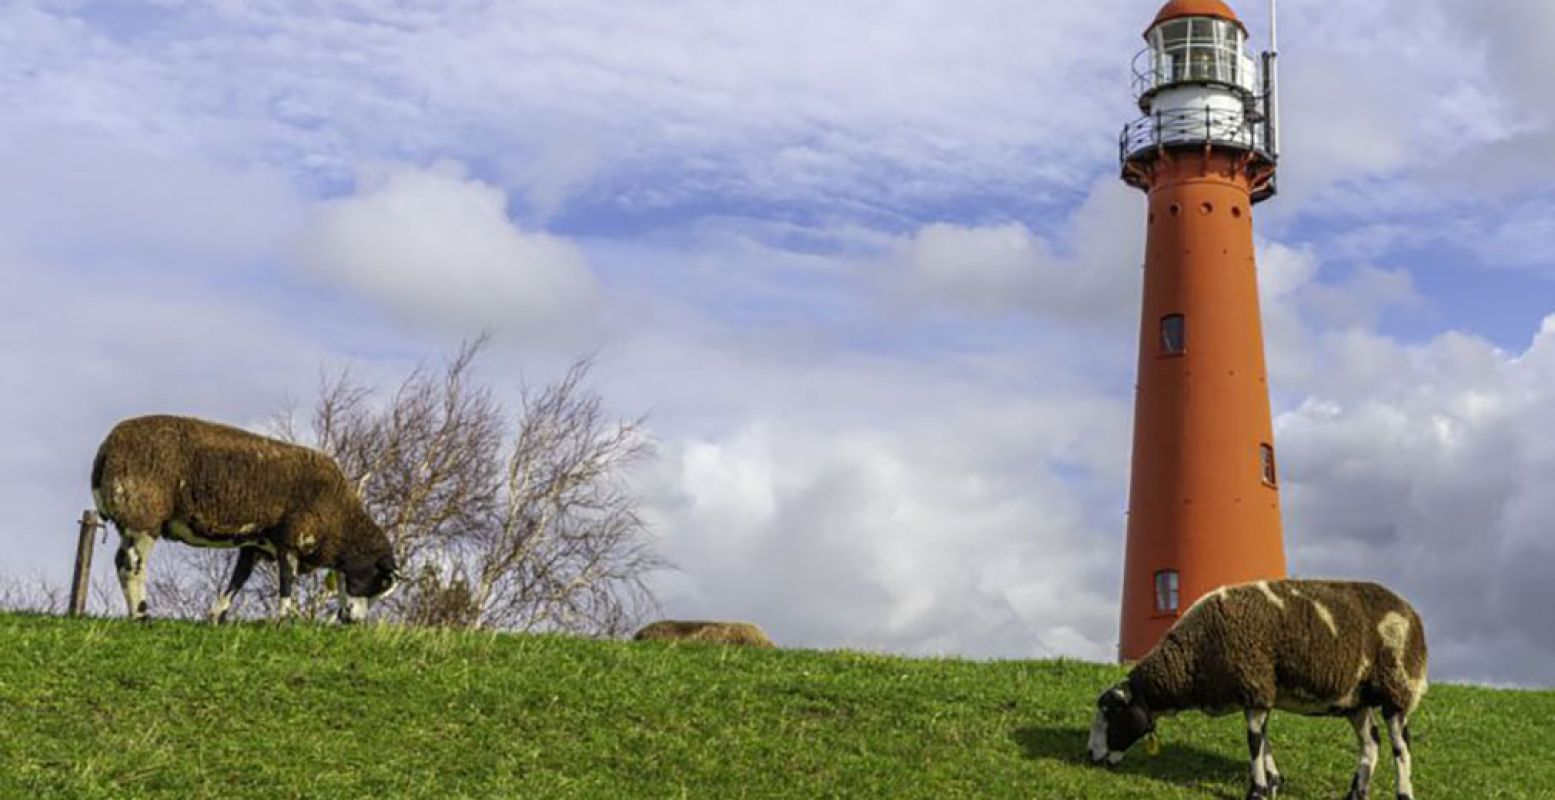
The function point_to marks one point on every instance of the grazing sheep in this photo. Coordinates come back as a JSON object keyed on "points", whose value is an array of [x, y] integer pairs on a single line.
{"points": [[1320, 648], [211, 485], [742, 633]]}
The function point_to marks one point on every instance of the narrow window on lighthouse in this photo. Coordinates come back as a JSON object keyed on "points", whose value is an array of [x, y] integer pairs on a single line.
{"points": [[1266, 458], [1174, 41], [1201, 51], [1166, 591], [1174, 335]]}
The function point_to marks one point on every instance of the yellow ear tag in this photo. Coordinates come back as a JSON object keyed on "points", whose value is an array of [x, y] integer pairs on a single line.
{"points": [[329, 581], [1153, 745]]}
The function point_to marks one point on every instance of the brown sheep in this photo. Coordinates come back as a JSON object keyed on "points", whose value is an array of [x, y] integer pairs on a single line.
{"points": [[739, 633], [1319, 648], [211, 485]]}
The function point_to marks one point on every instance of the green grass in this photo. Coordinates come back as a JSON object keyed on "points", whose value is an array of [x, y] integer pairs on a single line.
{"points": [[111, 709]]}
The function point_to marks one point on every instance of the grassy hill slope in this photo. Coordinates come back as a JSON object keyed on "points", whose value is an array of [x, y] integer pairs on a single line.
{"points": [[109, 709]]}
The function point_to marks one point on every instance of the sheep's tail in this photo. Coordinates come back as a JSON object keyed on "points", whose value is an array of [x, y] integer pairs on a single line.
{"points": [[100, 497]]}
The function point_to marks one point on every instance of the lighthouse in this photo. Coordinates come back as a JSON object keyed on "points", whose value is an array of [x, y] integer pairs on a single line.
{"points": [[1204, 493]]}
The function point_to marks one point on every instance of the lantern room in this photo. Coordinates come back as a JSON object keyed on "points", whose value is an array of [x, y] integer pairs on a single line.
{"points": [[1198, 49], [1197, 86]]}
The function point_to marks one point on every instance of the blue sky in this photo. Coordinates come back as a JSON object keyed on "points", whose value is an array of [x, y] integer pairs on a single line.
{"points": [[869, 267]]}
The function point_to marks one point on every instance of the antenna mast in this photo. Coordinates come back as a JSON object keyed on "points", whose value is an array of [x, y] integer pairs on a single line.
{"points": [[1271, 72]]}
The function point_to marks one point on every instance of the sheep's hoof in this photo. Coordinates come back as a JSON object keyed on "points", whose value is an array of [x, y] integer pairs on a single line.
{"points": [[1259, 793]]}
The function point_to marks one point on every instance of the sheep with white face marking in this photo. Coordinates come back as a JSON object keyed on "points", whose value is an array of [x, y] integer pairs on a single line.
{"points": [[1319, 648], [210, 485]]}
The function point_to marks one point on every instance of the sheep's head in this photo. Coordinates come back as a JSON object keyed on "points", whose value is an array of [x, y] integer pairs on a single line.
{"points": [[1121, 720], [365, 576]]}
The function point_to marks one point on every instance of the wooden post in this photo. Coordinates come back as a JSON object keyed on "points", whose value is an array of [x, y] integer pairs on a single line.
{"points": [[83, 575]]}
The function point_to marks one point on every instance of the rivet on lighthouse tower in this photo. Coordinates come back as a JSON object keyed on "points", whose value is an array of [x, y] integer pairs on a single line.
{"points": [[1204, 507]]}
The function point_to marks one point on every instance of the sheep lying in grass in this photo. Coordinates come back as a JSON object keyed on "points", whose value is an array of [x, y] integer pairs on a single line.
{"points": [[741, 633], [1321, 648], [210, 485]]}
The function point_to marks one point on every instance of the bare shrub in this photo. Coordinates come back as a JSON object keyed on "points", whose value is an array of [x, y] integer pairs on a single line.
{"points": [[37, 594]]}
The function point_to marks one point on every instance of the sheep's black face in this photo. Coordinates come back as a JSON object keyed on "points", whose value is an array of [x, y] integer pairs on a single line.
{"points": [[1120, 722], [371, 579], [386, 575], [366, 580]]}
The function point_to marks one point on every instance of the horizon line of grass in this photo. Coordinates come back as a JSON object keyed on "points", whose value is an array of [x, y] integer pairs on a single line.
{"points": [[104, 708]]}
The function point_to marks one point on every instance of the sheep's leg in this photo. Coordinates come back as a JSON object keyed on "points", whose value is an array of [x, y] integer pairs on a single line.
{"points": [[286, 569], [1367, 737], [1398, 733], [240, 572], [1258, 751], [130, 561], [1275, 781]]}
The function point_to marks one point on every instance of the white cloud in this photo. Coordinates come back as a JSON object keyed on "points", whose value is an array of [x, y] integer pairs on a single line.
{"points": [[997, 269], [988, 269], [1299, 304], [955, 503], [830, 105], [1520, 239], [882, 538], [837, 109], [1427, 467], [79, 194], [1360, 299], [435, 246], [1515, 38]]}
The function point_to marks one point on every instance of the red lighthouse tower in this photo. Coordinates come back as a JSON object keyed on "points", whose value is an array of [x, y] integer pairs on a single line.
{"points": [[1204, 506]]}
